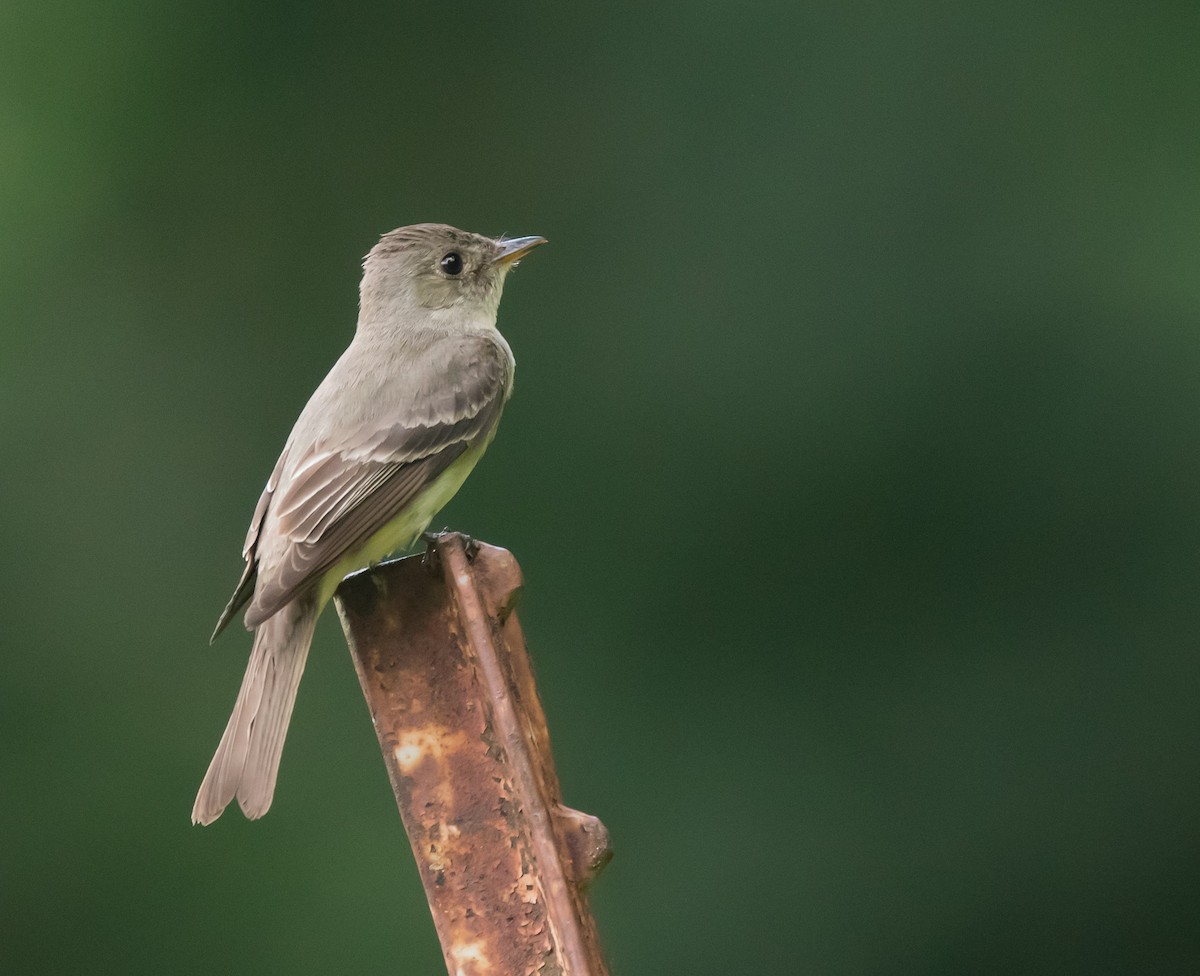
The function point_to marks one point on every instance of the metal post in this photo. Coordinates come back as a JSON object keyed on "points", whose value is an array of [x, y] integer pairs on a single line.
{"points": [[442, 663]]}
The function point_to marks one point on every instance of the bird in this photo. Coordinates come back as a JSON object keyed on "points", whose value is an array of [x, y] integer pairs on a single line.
{"points": [[385, 441]]}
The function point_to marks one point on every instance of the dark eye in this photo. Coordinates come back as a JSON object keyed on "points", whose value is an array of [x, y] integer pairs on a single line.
{"points": [[452, 264]]}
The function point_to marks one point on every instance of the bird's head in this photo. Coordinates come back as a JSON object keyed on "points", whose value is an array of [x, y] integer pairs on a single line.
{"points": [[435, 266]]}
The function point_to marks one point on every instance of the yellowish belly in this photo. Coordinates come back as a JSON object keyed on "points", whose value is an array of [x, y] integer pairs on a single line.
{"points": [[404, 530]]}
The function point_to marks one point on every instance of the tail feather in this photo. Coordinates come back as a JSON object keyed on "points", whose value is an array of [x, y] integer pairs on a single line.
{"points": [[247, 760]]}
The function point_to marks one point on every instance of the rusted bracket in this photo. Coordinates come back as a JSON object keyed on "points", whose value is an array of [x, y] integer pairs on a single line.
{"points": [[442, 663]]}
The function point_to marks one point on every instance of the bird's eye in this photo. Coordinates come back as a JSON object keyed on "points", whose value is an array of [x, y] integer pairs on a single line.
{"points": [[452, 264]]}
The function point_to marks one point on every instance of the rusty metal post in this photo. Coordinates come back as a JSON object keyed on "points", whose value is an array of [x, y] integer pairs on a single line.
{"points": [[442, 663]]}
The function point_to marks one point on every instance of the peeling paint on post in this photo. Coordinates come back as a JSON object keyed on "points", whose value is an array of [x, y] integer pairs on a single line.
{"points": [[443, 666]]}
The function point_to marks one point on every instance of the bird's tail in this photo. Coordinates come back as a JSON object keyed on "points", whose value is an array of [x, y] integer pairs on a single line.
{"points": [[247, 760]]}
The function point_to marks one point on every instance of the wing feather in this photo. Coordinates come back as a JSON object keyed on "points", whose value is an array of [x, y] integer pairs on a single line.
{"points": [[245, 588], [331, 498]]}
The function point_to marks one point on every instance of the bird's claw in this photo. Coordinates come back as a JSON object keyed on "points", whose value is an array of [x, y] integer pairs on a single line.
{"points": [[470, 547], [432, 560]]}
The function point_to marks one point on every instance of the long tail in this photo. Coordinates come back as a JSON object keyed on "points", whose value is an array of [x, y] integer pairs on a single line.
{"points": [[247, 760]]}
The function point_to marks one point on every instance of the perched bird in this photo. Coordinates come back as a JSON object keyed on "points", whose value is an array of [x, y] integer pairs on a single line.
{"points": [[385, 441]]}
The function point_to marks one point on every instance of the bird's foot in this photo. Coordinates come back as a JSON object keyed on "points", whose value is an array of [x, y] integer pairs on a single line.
{"points": [[470, 547], [432, 560]]}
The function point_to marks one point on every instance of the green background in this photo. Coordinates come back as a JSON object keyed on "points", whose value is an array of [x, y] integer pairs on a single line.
{"points": [[852, 467]]}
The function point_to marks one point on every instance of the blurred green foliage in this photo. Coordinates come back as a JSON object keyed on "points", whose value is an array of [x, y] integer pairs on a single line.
{"points": [[852, 466]]}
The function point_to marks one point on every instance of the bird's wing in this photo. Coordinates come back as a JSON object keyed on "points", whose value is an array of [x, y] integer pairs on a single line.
{"points": [[245, 588], [334, 497]]}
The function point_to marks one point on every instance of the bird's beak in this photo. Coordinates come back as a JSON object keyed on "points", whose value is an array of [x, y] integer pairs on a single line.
{"points": [[513, 250]]}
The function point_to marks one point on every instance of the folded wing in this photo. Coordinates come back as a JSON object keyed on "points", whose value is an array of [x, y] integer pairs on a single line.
{"points": [[328, 499]]}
